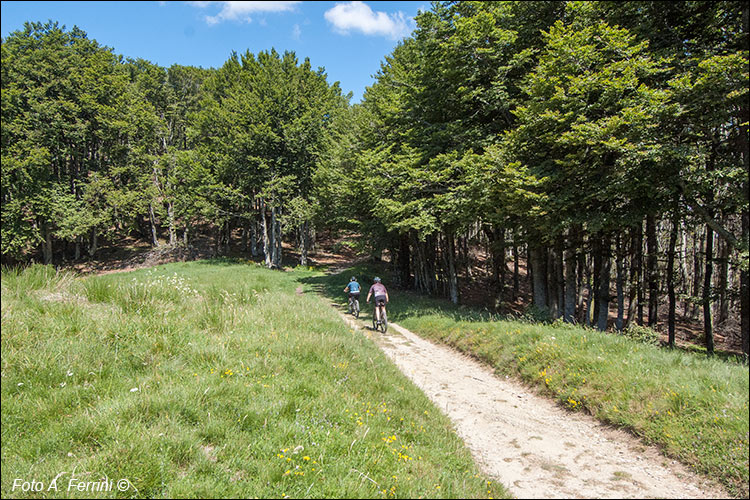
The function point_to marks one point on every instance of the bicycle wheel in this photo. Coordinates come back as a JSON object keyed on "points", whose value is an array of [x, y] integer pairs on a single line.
{"points": [[356, 308], [383, 321]]}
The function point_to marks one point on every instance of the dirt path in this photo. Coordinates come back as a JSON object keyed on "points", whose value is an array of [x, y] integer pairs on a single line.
{"points": [[527, 442]]}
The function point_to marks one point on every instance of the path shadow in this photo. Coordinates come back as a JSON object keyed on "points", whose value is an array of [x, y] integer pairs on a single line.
{"points": [[403, 303], [408, 304]]}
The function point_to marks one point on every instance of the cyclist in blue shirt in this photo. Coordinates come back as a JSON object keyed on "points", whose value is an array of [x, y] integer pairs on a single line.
{"points": [[353, 288]]}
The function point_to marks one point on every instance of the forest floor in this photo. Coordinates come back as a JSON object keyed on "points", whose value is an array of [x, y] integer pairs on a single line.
{"points": [[530, 444], [480, 292]]}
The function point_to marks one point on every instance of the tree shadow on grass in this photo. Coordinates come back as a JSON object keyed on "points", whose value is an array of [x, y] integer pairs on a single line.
{"points": [[408, 304], [403, 303]]}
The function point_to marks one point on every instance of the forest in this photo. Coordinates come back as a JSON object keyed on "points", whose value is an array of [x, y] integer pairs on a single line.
{"points": [[598, 149]]}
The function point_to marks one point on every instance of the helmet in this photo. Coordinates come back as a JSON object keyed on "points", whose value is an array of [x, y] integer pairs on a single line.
{"points": [[376, 280], [354, 278]]}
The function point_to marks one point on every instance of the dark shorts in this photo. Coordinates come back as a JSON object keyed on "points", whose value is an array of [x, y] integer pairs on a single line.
{"points": [[354, 295], [379, 300]]}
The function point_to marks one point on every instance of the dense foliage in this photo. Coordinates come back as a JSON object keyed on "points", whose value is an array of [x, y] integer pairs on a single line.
{"points": [[94, 145], [568, 130], [604, 144]]}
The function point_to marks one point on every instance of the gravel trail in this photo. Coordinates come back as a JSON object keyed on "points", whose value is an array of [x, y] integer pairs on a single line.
{"points": [[533, 446]]}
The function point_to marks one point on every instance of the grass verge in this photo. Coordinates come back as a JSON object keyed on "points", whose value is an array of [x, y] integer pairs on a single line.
{"points": [[693, 407], [209, 379]]}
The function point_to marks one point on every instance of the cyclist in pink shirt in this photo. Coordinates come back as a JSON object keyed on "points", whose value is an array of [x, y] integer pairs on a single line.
{"points": [[381, 296]]}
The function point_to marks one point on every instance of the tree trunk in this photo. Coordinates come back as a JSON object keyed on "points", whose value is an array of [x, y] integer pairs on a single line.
{"points": [[464, 243], [560, 275], [244, 242], [152, 220], [707, 326], [47, 246], [218, 247], [570, 280], [443, 266], [530, 273], [620, 265], [431, 257], [418, 262], [527, 260], [266, 237], [279, 240], [228, 235], [698, 250], [254, 237], [722, 306], [745, 291], [303, 243], [404, 258], [638, 265], [552, 284], [452, 278], [589, 293], [582, 275], [538, 261], [670, 277], [94, 242], [427, 272], [172, 228], [684, 273], [744, 148], [516, 283], [603, 290], [275, 238], [633, 295], [653, 272], [501, 262], [496, 239], [596, 249]]}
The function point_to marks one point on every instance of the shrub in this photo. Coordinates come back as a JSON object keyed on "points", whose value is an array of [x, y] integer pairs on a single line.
{"points": [[642, 334], [534, 314]]}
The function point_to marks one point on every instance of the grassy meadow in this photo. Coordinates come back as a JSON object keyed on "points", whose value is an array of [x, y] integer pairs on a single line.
{"points": [[694, 408], [209, 379]]}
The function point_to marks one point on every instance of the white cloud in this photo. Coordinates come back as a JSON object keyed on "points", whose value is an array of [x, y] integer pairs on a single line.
{"points": [[358, 16], [296, 32], [240, 11]]}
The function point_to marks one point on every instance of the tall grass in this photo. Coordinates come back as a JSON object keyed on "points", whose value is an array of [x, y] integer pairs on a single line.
{"points": [[210, 379], [694, 407]]}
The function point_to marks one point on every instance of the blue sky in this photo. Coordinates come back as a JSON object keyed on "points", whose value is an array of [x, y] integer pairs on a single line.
{"points": [[348, 39]]}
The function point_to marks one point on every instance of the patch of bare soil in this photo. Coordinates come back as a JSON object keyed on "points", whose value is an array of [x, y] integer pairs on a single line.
{"points": [[327, 252], [130, 254], [144, 257], [534, 447]]}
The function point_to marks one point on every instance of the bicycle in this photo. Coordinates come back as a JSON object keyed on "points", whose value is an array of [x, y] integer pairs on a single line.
{"points": [[354, 306], [383, 323]]}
